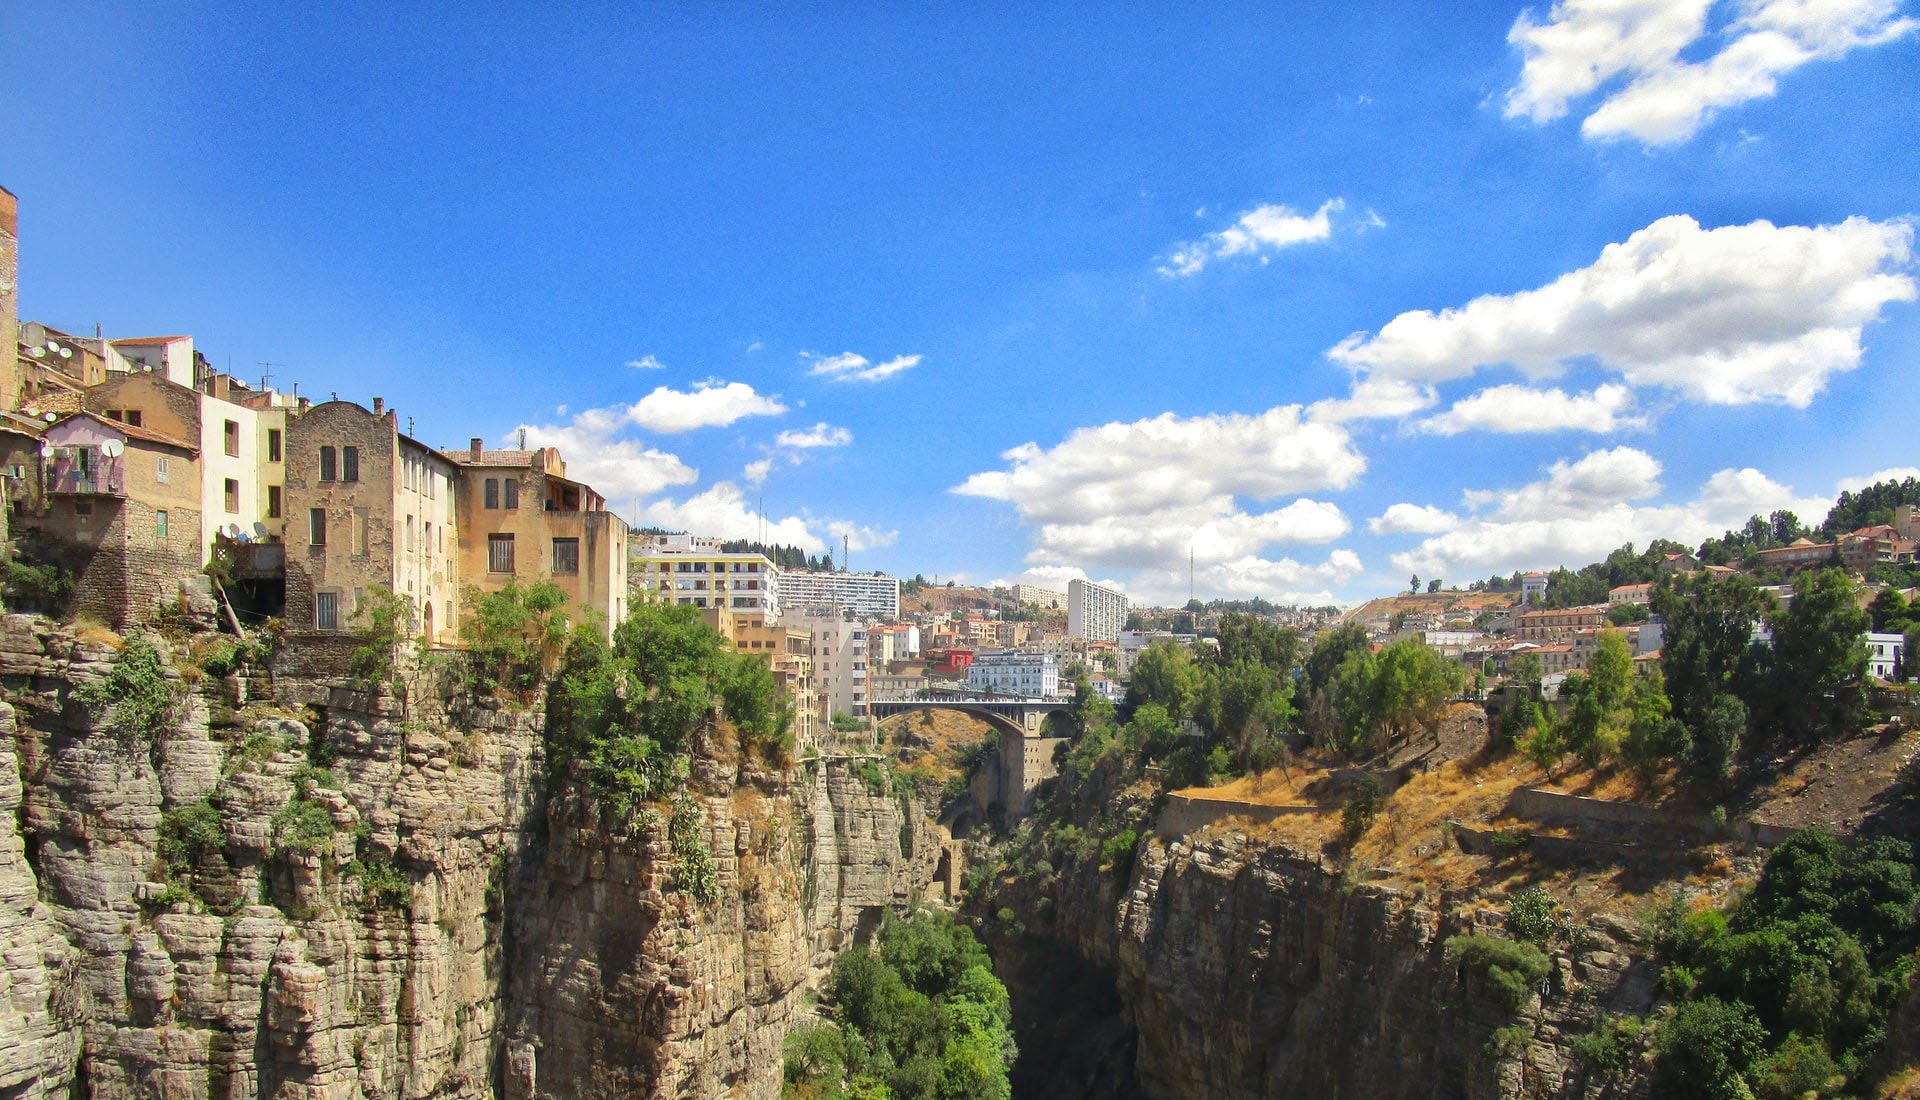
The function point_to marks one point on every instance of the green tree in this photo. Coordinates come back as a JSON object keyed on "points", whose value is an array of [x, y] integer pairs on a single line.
{"points": [[382, 623], [1890, 610], [1246, 704], [1708, 648], [1381, 697], [1331, 648], [515, 635], [1817, 671], [1706, 1049], [1717, 740], [1250, 638], [1165, 674]]}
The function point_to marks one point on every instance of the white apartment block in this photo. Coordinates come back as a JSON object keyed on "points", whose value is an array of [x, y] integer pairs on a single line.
{"points": [[1032, 595], [839, 656], [874, 595], [1886, 653], [1029, 675], [1094, 611], [695, 572]]}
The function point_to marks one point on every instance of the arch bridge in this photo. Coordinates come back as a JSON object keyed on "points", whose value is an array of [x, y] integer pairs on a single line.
{"points": [[1025, 717]]}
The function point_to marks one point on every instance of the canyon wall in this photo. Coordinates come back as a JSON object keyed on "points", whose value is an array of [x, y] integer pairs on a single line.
{"points": [[452, 932]]}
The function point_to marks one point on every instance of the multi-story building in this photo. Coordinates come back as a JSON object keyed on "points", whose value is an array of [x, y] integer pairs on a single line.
{"points": [[242, 446], [789, 654], [1640, 594], [694, 571], [1095, 611], [369, 508], [10, 381], [121, 512], [1029, 675], [1886, 654], [839, 656], [874, 595], [1046, 599], [1558, 623], [1533, 587], [523, 520]]}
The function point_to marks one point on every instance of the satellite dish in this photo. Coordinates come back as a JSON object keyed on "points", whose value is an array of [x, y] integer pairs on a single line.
{"points": [[37, 353], [66, 353], [46, 448], [53, 345], [113, 448], [233, 531], [49, 418]]}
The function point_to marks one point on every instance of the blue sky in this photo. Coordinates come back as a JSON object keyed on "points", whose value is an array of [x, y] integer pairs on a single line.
{"points": [[1005, 291]]}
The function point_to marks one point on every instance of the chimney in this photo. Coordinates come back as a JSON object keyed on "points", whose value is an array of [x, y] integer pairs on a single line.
{"points": [[474, 449], [379, 405]]}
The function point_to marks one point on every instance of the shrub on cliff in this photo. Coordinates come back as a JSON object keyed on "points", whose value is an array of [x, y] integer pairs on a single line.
{"points": [[1508, 970], [136, 697], [514, 636]]}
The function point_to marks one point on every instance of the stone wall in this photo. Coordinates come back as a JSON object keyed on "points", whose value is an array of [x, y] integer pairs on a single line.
{"points": [[1643, 820], [1183, 815]]}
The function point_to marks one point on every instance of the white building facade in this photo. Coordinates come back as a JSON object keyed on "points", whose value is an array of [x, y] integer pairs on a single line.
{"points": [[694, 571], [840, 656], [1032, 595], [1886, 654], [874, 595], [1094, 611], [1029, 675]]}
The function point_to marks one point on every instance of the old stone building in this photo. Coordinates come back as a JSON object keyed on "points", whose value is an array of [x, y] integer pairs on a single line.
{"points": [[367, 508], [242, 448], [523, 520], [9, 299], [120, 513]]}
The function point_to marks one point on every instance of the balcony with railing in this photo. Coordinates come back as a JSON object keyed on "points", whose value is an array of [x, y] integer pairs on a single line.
{"points": [[87, 472]]}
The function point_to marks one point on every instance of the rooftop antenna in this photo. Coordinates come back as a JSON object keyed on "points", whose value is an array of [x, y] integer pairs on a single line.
{"points": [[846, 552], [1189, 573], [266, 371], [523, 439], [409, 425]]}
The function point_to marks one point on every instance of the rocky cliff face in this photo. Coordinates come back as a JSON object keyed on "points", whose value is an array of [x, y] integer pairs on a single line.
{"points": [[443, 931], [1251, 970]]}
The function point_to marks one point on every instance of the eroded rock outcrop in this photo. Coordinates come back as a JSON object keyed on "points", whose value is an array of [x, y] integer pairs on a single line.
{"points": [[443, 930]]}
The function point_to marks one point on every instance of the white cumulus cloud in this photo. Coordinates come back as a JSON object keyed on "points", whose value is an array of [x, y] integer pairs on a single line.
{"points": [[860, 536], [755, 473], [721, 511], [1516, 409], [619, 469], [711, 404], [646, 362], [1262, 231], [1140, 497], [850, 367], [822, 434], [1412, 519], [1734, 315], [1656, 95], [1582, 510]]}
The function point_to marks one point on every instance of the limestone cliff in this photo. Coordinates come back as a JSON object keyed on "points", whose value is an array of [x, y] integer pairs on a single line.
{"points": [[1251, 969], [440, 929]]}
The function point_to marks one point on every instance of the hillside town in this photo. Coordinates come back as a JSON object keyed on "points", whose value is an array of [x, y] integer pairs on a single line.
{"points": [[144, 482]]}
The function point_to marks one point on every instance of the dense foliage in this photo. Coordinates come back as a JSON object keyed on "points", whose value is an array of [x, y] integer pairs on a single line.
{"points": [[624, 714], [136, 696], [921, 1017], [514, 635], [382, 623], [1793, 992]]}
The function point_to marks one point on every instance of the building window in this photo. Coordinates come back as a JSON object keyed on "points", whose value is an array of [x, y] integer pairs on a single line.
{"points": [[499, 553], [409, 534], [317, 526], [273, 444], [326, 464], [566, 556], [511, 488], [273, 502], [232, 437], [82, 506], [160, 523], [493, 493], [232, 497], [326, 610], [162, 469], [349, 464], [360, 531]]}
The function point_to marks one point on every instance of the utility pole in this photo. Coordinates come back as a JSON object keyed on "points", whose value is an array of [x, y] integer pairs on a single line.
{"points": [[846, 552]]}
